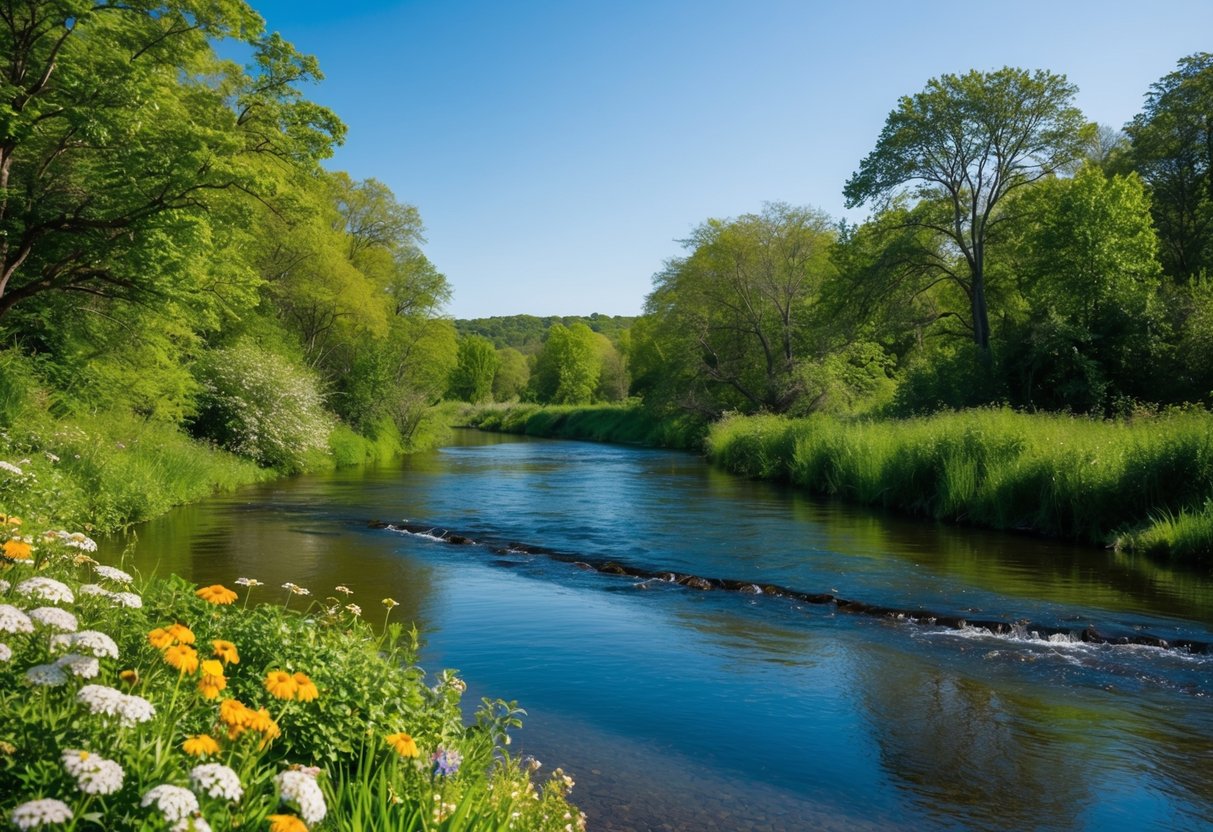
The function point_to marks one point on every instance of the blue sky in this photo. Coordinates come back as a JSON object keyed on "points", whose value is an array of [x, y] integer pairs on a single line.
{"points": [[558, 151]]}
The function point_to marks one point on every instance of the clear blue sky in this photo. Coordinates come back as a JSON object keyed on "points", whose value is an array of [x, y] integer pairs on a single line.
{"points": [[558, 150]]}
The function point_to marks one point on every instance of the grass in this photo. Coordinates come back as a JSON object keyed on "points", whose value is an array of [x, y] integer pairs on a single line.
{"points": [[628, 423]]}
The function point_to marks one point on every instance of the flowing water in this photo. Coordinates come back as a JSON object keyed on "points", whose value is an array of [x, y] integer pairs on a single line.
{"points": [[682, 709]]}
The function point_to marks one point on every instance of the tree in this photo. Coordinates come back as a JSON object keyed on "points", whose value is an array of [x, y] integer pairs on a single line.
{"points": [[567, 368], [472, 378], [1172, 149], [965, 143], [512, 375]]}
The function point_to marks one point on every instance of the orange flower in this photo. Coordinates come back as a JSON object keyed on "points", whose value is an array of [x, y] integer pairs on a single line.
{"points": [[231, 712], [12, 521], [281, 684], [226, 651], [131, 677], [17, 549], [181, 634], [403, 744], [182, 657], [307, 688], [200, 745], [286, 823], [160, 638], [212, 680], [216, 594]]}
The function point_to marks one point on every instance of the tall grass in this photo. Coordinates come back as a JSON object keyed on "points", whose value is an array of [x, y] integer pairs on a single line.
{"points": [[1076, 478], [627, 423]]}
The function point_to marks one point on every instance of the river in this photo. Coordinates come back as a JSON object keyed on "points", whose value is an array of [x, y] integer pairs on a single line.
{"points": [[681, 709]]}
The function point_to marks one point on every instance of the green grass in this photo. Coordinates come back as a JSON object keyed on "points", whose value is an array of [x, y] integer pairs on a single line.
{"points": [[1076, 478], [628, 423]]}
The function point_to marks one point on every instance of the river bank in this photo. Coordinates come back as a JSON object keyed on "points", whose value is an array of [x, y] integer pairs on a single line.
{"points": [[1144, 484]]}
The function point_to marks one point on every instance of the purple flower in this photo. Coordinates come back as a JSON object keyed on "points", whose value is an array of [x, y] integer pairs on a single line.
{"points": [[446, 761]]}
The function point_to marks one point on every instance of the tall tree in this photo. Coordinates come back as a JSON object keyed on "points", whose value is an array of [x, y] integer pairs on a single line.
{"points": [[567, 368], [472, 378], [966, 142]]}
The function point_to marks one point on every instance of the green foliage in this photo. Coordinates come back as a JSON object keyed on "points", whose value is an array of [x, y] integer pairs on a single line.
{"points": [[512, 376], [475, 369], [256, 404], [526, 333], [567, 369], [628, 423]]}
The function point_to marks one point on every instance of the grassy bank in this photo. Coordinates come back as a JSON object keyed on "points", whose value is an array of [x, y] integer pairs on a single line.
{"points": [[158, 705], [629, 424], [1145, 483]]}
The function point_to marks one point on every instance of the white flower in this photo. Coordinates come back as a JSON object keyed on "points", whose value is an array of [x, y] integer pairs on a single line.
{"points": [[111, 573], [12, 469], [135, 709], [46, 675], [301, 789], [174, 802], [86, 667], [52, 457], [354, 608], [48, 589], [94, 775], [13, 620], [93, 642], [54, 618], [6, 652], [81, 541], [296, 589], [37, 813], [93, 589], [126, 599], [197, 823], [4, 585], [105, 701], [248, 582], [217, 781]]}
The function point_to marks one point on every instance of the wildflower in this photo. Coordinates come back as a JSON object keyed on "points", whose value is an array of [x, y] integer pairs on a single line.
{"points": [[296, 589], [85, 667], [200, 745], [8, 520], [303, 792], [160, 638], [126, 599], [105, 701], [174, 802], [13, 620], [181, 633], [217, 781], [46, 675], [354, 608], [446, 761], [183, 657], [48, 589], [281, 684], [249, 582], [403, 744], [390, 602], [82, 560], [130, 676], [94, 774], [226, 651], [212, 681], [344, 590], [6, 652], [12, 469], [286, 823], [51, 457], [87, 641], [37, 813], [4, 586], [195, 823], [216, 594], [93, 589], [232, 712], [307, 688], [54, 618], [111, 573], [17, 549]]}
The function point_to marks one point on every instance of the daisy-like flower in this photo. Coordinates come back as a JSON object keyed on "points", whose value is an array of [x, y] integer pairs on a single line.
{"points": [[281, 684], [111, 573], [54, 618], [200, 745], [301, 790], [6, 652], [43, 812], [94, 775], [80, 541], [354, 608], [183, 657], [48, 589], [93, 589], [17, 549], [344, 590], [212, 680], [160, 638], [307, 688], [194, 823], [128, 709], [126, 599], [296, 589], [446, 761], [286, 823], [83, 667], [46, 675], [217, 781], [216, 594], [174, 802], [93, 642], [390, 602], [13, 620], [181, 633], [225, 651], [249, 582], [403, 744]]}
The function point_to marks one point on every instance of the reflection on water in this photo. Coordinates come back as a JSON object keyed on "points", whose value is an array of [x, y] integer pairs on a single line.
{"points": [[691, 710]]}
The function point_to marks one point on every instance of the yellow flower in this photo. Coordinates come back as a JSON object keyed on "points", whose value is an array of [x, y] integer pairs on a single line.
{"points": [[181, 634], [226, 651], [232, 712], [131, 677], [403, 744], [11, 521], [390, 602], [307, 688], [182, 657], [160, 638], [200, 745], [216, 594], [261, 722], [17, 549], [281, 684], [286, 823], [210, 667], [212, 681]]}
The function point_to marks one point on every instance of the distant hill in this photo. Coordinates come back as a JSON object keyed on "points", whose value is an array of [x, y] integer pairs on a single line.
{"points": [[525, 332]]}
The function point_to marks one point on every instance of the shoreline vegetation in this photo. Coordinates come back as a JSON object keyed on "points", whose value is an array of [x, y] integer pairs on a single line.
{"points": [[1139, 484]]}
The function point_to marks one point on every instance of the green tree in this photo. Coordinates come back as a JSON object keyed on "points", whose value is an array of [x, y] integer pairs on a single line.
{"points": [[567, 368], [475, 367], [613, 378], [512, 375], [964, 144]]}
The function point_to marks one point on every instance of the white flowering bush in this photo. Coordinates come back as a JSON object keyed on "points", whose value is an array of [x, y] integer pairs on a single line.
{"points": [[257, 404]]}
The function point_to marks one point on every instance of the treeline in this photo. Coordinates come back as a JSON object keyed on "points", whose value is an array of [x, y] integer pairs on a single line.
{"points": [[526, 333], [171, 248]]}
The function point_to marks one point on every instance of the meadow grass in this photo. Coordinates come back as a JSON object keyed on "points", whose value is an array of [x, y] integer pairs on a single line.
{"points": [[1144, 482]]}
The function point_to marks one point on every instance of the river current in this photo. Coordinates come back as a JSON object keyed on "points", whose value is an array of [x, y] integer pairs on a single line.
{"points": [[682, 709]]}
